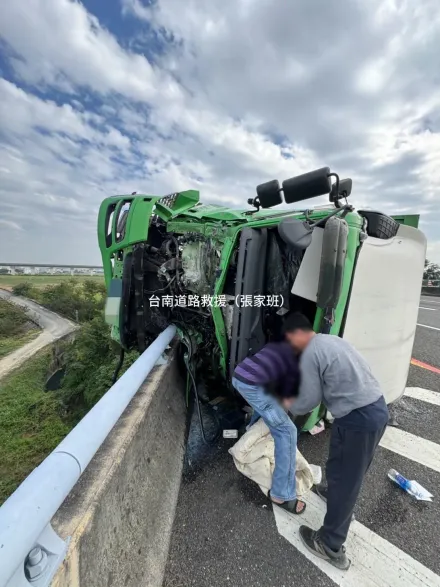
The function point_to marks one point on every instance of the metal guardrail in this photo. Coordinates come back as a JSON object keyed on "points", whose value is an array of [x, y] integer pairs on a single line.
{"points": [[30, 550]]}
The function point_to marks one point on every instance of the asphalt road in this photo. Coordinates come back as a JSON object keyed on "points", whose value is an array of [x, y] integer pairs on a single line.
{"points": [[427, 345], [225, 532], [53, 325]]}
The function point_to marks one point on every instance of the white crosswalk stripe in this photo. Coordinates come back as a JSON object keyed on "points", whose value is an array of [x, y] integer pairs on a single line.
{"points": [[425, 395], [412, 447], [409, 445], [375, 561], [430, 327]]}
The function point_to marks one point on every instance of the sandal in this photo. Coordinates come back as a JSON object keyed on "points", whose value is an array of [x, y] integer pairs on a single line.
{"points": [[290, 506]]}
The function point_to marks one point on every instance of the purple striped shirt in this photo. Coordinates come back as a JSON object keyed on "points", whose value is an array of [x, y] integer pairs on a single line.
{"points": [[275, 364]]}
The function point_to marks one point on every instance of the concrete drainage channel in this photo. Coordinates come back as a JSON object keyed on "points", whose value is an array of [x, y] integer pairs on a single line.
{"points": [[120, 514]]}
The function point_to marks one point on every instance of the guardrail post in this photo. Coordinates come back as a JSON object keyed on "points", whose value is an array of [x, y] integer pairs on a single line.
{"points": [[42, 561]]}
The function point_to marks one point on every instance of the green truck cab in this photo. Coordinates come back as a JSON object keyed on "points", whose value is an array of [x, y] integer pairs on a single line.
{"points": [[226, 277]]}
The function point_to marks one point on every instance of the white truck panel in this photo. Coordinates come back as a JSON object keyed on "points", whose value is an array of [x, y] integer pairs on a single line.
{"points": [[382, 314]]}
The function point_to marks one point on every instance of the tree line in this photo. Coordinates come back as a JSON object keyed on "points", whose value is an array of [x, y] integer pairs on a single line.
{"points": [[432, 271]]}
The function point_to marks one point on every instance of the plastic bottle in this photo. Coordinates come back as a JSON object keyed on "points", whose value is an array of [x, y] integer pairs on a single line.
{"points": [[411, 487], [400, 480]]}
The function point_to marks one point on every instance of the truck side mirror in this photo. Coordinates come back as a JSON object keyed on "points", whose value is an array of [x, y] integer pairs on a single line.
{"points": [[345, 186], [308, 185], [269, 194]]}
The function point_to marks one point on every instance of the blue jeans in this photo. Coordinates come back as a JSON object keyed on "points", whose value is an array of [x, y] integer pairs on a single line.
{"points": [[284, 433]]}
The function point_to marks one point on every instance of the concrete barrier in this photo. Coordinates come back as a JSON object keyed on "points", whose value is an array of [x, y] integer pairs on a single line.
{"points": [[119, 516]]}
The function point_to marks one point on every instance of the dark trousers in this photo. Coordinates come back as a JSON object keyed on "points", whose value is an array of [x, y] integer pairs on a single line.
{"points": [[350, 456]]}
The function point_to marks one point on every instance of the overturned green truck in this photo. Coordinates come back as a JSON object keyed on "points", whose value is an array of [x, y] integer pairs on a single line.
{"points": [[226, 277]]}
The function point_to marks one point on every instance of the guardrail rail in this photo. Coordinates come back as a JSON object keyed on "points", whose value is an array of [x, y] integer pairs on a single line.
{"points": [[30, 549]]}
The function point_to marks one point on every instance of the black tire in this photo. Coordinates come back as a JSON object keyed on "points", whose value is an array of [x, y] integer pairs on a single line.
{"points": [[380, 225]]}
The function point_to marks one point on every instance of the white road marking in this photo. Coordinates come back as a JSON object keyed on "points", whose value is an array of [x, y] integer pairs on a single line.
{"points": [[422, 451], [428, 301], [430, 309], [374, 561], [425, 395], [426, 326]]}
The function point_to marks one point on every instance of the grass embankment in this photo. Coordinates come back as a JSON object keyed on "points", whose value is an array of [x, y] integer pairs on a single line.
{"points": [[40, 281], [15, 328], [31, 422]]}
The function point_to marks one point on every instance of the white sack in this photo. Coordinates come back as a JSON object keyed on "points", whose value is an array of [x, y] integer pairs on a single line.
{"points": [[253, 456]]}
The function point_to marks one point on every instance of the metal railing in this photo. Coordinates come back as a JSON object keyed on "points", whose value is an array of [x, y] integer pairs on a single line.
{"points": [[30, 550]]}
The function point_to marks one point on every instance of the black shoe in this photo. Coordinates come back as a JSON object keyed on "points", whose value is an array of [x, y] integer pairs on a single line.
{"points": [[321, 490], [312, 541]]}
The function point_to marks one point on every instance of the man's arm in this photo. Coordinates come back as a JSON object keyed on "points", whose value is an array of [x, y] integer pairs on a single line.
{"points": [[310, 389]]}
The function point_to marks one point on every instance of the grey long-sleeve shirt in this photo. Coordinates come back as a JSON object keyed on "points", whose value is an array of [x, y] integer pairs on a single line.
{"points": [[335, 374]]}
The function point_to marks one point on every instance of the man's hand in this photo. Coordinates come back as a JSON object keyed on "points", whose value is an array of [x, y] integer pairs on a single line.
{"points": [[288, 402]]}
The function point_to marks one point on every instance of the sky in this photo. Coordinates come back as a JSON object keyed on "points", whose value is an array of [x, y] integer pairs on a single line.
{"points": [[101, 98]]}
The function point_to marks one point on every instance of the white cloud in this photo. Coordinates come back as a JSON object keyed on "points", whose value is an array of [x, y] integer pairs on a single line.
{"points": [[10, 224], [59, 43], [226, 96], [433, 253], [137, 8]]}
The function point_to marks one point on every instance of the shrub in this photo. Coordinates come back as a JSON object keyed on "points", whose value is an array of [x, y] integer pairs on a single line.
{"points": [[12, 319], [90, 363], [24, 289], [80, 301]]}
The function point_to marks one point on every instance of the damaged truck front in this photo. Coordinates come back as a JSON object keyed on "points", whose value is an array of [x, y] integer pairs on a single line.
{"points": [[226, 277]]}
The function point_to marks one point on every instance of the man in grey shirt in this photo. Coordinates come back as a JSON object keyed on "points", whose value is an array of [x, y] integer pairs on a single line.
{"points": [[335, 374]]}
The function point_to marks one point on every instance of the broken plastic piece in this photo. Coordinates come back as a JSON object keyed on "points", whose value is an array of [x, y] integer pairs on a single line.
{"points": [[319, 427], [230, 433], [410, 486]]}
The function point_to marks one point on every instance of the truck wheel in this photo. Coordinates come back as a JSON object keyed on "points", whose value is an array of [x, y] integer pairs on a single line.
{"points": [[380, 225]]}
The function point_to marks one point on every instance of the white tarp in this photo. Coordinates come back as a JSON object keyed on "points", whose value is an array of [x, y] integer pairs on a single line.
{"points": [[254, 456]]}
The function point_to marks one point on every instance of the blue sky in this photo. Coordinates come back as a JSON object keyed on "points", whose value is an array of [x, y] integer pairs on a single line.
{"points": [[99, 98]]}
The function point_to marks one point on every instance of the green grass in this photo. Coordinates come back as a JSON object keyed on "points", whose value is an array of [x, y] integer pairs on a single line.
{"points": [[9, 345], [8, 281], [14, 328], [31, 423]]}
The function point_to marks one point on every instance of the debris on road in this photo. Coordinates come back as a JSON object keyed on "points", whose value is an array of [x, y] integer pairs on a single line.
{"points": [[410, 486], [318, 428], [393, 421]]}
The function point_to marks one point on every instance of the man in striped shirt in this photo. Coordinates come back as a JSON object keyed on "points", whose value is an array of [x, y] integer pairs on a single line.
{"points": [[267, 380]]}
